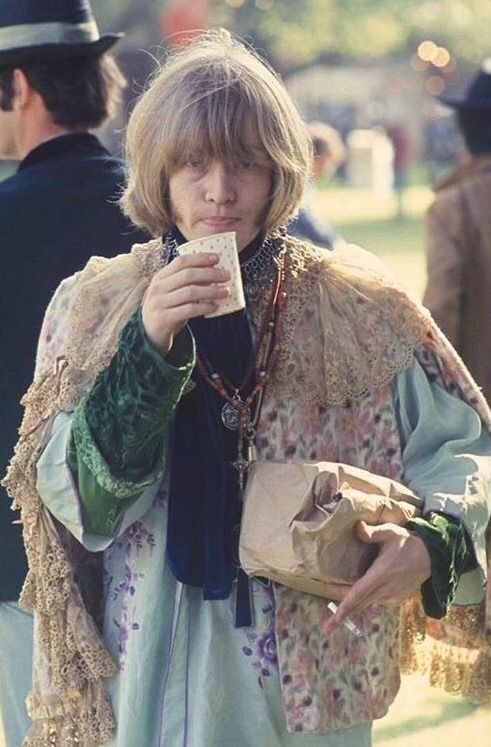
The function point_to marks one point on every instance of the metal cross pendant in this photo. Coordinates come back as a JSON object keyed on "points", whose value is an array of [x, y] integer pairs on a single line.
{"points": [[241, 465]]}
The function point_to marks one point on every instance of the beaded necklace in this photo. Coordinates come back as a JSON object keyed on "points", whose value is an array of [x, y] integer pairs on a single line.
{"points": [[262, 272], [242, 413]]}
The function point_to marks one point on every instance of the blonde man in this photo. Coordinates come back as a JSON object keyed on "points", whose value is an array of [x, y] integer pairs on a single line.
{"points": [[138, 437]]}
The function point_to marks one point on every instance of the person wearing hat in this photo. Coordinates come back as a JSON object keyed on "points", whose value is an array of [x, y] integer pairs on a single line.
{"points": [[458, 236], [56, 83]]}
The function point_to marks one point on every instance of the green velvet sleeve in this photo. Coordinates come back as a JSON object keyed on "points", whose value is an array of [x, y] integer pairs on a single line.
{"points": [[120, 428], [451, 555]]}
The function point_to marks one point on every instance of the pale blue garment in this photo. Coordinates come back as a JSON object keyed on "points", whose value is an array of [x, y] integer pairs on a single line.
{"points": [[446, 457], [188, 677], [15, 671]]}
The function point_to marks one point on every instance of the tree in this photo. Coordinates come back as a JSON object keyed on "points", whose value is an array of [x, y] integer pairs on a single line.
{"points": [[299, 32], [295, 33]]}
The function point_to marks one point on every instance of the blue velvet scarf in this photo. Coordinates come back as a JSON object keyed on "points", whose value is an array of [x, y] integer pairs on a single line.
{"points": [[204, 503]]}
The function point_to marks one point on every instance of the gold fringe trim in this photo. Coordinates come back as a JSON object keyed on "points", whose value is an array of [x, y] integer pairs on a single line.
{"points": [[459, 670]]}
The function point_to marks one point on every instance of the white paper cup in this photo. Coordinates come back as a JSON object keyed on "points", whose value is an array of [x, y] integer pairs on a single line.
{"points": [[225, 246]]}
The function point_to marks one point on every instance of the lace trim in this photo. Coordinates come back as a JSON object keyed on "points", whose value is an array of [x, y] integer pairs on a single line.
{"points": [[74, 659], [462, 665], [259, 270], [348, 330]]}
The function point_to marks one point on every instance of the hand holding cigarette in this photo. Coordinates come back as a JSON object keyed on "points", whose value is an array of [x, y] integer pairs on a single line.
{"points": [[347, 622]]}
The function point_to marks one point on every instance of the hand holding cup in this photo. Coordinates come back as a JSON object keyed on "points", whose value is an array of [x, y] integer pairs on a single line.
{"points": [[224, 245], [192, 285]]}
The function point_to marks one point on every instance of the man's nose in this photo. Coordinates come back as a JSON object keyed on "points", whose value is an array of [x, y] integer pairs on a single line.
{"points": [[220, 183]]}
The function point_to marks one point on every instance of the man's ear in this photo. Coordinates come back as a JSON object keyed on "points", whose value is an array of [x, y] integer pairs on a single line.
{"points": [[23, 91]]}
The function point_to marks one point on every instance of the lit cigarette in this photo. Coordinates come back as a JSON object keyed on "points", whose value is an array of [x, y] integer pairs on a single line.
{"points": [[332, 606]]}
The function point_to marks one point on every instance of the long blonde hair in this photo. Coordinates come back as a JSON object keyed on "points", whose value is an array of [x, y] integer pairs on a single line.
{"points": [[198, 103]]}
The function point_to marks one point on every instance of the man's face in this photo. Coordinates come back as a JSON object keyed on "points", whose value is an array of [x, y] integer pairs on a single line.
{"points": [[8, 126], [8, 143], [208, 196]]}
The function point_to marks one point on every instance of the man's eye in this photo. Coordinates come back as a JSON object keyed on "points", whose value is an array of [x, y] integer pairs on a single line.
{"points": [[245, 164], [194, 163]]}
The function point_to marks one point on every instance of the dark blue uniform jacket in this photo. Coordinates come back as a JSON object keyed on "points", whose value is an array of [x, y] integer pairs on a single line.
{"points": [[59, 209]]}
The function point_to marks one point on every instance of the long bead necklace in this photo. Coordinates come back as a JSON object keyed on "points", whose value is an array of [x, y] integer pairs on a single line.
{"points": [[242, 413]]}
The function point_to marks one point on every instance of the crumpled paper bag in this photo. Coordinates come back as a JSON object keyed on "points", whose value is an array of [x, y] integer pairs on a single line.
{"points": [[298, 519]]}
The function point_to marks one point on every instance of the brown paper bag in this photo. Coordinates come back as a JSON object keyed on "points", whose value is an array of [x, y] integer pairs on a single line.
{"points": [[298, 519]]}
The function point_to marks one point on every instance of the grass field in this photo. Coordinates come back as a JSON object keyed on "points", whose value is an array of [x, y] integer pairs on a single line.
{"points": [[425, 717], [420, 716], [368, 219]]}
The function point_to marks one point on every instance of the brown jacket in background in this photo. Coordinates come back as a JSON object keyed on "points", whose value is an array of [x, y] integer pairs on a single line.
{"points": [[458, 245]]}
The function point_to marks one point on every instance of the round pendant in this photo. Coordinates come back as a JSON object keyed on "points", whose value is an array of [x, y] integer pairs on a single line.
{"points": [[231, 416]]}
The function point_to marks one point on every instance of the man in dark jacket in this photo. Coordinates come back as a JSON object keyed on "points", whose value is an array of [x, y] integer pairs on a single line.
{"points": [[56, 83], [458, 235]]}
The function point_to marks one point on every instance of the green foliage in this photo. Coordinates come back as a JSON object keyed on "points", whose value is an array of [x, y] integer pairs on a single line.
{"points": [[457, 24], [295, 33], [302, 32], [298, 32]]}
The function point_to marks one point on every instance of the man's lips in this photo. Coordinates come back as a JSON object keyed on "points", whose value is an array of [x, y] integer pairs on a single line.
{"points": [[217, 221]]}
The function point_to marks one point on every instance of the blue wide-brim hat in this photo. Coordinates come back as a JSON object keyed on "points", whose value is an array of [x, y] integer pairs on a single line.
{"points": [[45, 30], [477, 95]]}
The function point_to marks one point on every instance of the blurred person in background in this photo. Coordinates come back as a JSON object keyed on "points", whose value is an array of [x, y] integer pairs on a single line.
{"points": [[458, 236], [329, 153], [136, 443], [56, 83], [401, 142], [443, 145]]}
